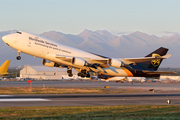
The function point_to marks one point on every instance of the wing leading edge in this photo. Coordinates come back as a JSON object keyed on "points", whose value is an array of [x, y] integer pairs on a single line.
{"points": [[105, 60]]}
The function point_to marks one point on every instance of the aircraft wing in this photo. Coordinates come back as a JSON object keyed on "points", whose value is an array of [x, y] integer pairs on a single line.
{"points": [[104, 61], [144, 59], [64, 58], [158, 72]]}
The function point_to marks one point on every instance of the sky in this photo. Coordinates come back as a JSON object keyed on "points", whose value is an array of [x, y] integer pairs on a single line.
{"points": [[157, 17]]}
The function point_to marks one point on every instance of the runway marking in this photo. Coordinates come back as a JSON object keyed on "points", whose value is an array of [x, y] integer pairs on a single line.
{"points": [[77, 100], [23, 100], [5, 95]]}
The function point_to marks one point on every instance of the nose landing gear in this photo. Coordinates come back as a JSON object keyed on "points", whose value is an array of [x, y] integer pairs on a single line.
{"points": [[18, 57]]}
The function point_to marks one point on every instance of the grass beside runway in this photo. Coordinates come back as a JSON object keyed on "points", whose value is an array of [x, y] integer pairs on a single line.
{"points": [[52, 90], [125, 112]]}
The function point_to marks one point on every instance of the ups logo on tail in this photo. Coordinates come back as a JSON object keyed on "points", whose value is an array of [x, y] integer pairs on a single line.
{"points": [[155, 63]]}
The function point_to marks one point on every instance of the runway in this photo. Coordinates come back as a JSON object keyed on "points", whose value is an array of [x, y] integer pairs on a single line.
{"points": [[88, 99], [169, 91]]}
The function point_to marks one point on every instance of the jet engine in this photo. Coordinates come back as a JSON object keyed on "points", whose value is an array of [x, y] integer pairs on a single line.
{"points": [[51, 64], [115, 63], [79, 62]]}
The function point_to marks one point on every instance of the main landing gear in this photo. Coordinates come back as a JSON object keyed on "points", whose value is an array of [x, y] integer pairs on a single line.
{"points": [[18, 57], [83, 73], [69, 71]]}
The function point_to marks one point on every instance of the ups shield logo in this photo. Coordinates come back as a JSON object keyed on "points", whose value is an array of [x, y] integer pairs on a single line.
{"points": [[156, 62]]}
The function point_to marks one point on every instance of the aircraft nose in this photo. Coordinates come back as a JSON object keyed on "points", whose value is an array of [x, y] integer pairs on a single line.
{"points": [[8, 39], [4, 38]]}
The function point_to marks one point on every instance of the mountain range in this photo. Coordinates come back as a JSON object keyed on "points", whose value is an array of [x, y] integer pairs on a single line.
{"points": [[136, 44]]}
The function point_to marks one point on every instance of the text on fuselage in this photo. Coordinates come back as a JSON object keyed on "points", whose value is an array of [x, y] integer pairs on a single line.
{"points": [[47, 44]]}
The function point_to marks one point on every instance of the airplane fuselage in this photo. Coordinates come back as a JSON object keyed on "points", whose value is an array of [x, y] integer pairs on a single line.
{"points": [[41, 47], [85, 62]]}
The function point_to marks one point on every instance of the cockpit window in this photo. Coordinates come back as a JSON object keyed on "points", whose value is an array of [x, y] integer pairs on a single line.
{"points": [[19, 32]]}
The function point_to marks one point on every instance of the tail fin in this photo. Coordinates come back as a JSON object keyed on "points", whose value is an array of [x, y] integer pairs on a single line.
{"points": [[154, 64], [4, 67]]}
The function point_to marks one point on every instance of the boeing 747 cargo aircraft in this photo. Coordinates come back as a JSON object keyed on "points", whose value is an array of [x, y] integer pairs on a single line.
{"points": [[67, 57]]}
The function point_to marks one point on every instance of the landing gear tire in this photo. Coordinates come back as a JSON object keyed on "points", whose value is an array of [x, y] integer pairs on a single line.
{"points": [[18, 57], [83, 71], [85, 75], [70, 75], [79, 74], [88, 76], [69, 71], [82, 76]]}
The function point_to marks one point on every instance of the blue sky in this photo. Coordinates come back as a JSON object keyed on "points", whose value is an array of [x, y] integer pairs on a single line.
{"points": [[158, 17]]}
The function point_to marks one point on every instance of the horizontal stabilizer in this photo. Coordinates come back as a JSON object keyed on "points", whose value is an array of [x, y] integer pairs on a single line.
{"points": [[166, 56], [144, 59], [158, 72]]}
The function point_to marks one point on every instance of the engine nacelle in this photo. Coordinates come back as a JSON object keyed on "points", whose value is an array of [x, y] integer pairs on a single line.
{"points": [[51, 64], [115, 63], [79, 62]]}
